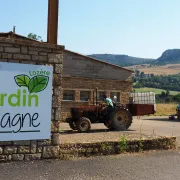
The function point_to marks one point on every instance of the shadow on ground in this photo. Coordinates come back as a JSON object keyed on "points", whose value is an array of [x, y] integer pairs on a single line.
{"points": [[92, 131], [160, 119]]}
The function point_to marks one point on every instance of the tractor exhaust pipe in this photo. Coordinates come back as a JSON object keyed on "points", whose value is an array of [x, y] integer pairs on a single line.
{"points": [[95, 93]]}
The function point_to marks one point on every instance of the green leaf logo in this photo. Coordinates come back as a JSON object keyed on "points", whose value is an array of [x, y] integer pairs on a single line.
{"points": [[38, 83], [22, 80], [34, 84]]}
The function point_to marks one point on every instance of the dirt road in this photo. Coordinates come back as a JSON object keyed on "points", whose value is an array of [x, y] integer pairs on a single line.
{"points": [[147, 125], [159, 125]]}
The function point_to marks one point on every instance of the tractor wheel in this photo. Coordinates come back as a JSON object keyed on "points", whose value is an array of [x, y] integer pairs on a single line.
{"points": [[109, 126], [84, 124], [121, 119], [72, 125]]}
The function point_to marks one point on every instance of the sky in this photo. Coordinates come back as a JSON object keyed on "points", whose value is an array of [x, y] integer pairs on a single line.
{"points": [[139, 28]]}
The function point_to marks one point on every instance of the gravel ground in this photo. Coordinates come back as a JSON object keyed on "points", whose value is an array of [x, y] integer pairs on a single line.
{"points": [[96, 136], [146, 166], [149, 126]]}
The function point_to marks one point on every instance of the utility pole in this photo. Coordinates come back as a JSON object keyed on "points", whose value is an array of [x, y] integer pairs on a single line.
{"points": [[52, 32]]}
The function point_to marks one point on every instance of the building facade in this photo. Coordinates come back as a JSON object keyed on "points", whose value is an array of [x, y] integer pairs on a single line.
{"points": [[82, 75]]}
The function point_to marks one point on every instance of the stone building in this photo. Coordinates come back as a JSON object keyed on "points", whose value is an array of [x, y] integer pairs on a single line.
{"points": [[82, 74]]}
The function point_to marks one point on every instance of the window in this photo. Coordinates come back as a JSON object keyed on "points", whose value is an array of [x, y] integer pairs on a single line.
{"points": [[84, 95], [68, 95], [117, 94], [100, 96]]}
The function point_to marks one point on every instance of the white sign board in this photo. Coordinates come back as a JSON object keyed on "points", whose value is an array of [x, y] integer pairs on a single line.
{"points": [[25, 101]]}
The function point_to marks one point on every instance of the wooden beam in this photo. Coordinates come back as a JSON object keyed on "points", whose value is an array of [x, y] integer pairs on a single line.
{"points": [[52, 34]]}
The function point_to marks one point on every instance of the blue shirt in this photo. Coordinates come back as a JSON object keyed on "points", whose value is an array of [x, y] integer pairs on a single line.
{"points": [[109, 102], [178, 107]]}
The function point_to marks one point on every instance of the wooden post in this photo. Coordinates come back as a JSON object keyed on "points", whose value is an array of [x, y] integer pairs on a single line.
{"points": [[52, 34]]}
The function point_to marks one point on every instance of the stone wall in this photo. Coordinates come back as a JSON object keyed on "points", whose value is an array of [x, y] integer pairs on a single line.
{"points": [[132, 145], [101, 84], [27, 52], [89, 84]]}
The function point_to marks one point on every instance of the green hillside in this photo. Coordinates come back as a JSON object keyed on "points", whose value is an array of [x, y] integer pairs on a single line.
{"points": [[170, 56], [121, 60], [157, 91]]}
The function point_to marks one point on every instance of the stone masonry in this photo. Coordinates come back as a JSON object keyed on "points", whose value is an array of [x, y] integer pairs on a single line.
{"points": [[77, 65], [27, 52], [88, 84], [83, 73]]}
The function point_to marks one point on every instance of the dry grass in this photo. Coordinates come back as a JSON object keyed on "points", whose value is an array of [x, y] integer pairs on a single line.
{"points": [[163, 70], [165, 109], [168, 69]]}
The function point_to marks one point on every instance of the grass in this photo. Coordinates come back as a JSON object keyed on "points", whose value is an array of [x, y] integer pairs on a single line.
{"points": [[157, 91], [168, 69], [165, 109]]}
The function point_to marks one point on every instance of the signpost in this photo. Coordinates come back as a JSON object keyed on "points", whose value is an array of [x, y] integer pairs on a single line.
{"points": [[25, 101]]}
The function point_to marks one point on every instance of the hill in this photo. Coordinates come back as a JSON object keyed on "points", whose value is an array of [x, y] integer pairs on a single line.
{"points": [[170, 56], [121, 60]]}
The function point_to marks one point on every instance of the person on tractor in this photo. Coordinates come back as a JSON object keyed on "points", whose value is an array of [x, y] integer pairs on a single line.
{"points": [[115, 100], [109, 108], [178, 107], [178, 111]]}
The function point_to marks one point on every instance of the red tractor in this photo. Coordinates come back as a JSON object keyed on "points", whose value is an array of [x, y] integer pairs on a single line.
{"points": [[120, 117]]}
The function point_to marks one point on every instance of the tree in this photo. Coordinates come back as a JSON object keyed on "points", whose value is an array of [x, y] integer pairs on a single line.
{"points": [[137, 72], [168, 99], [35, 37], [152, 75], [163, 94], [176, 98], [167, 93], [134, 79], [142, 74]]}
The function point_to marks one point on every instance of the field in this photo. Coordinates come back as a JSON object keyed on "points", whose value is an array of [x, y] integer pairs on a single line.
{"points": [[165, 109], [157, 91], [168, 69], [163, 70]]}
